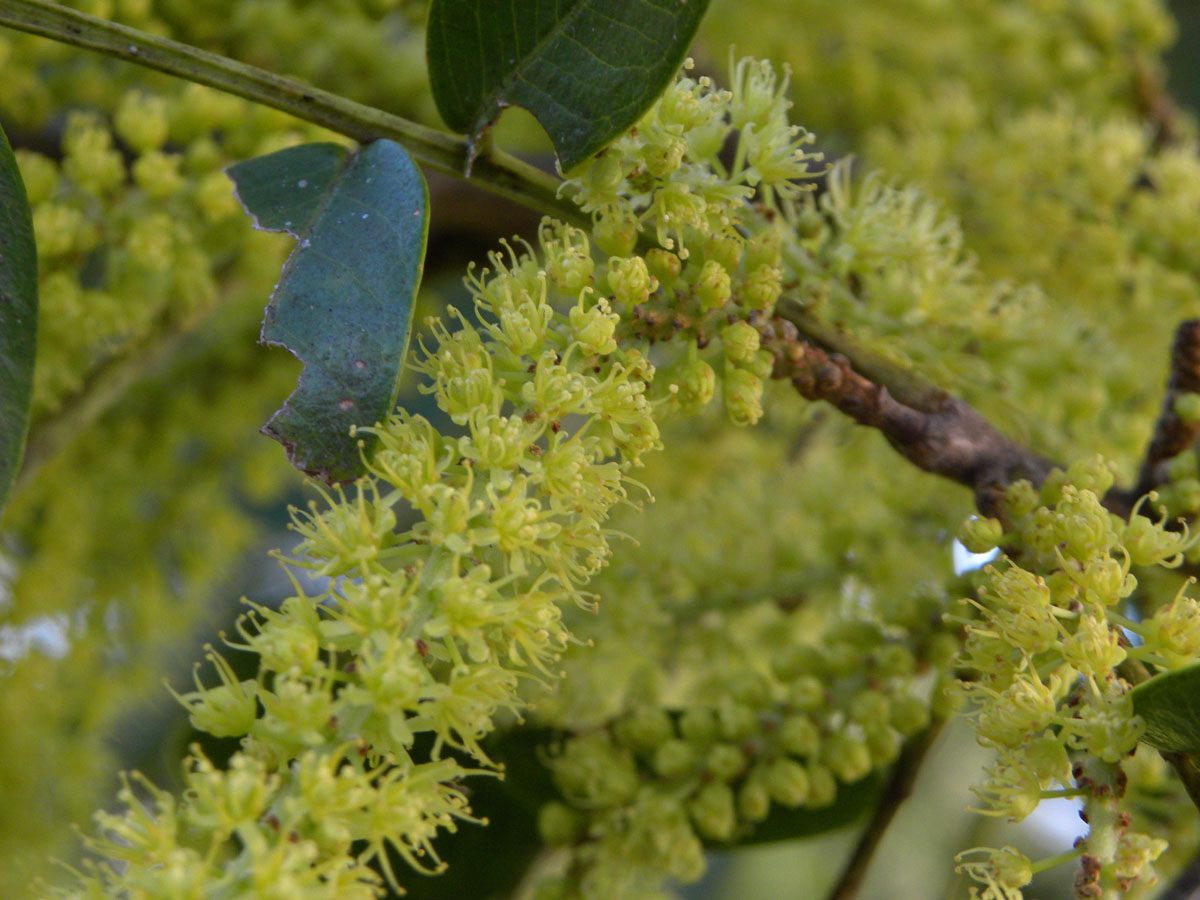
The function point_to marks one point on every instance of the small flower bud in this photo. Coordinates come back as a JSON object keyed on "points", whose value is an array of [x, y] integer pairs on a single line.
{"points": [[748, 686], [725, 249], [664, 155], [753, 798], [592, 770], [807, 693], [90, 160], [848, 757], [1180, 466], [761, 288], [40, 174], [615, 235], [157, 174], [869, 707], [809, 223], [822, 786], [787, 782], [895, 660], [559, 824], [645, 728], [884, 744], [605, 174], [725, 761], [713, 286], [697, 384], [764, 250], [629, 280], [761, 363], [941, 649], [981, 535], [799, 736], [141, 122], [910, 714], [737, 721], [712, 811], [743, 396], [945, 701], [1022, 499], [698, 725], [664, 265], [1093, 474], [674, 758], [740, 341], [1047, 758]]}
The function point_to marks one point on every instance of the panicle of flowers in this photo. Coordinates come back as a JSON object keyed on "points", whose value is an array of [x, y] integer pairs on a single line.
{"points": [[429, 620], [720, 229], [1043, 652]]}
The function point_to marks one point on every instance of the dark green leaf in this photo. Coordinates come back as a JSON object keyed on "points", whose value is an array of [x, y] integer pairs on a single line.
{"points": [[344, 302], [587, 69], [18, 317], [1170, 705]]}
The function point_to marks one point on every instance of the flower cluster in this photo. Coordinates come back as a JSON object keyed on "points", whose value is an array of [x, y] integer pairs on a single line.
{"points": [[732, 682], [720, 231], [1043, 660], [424, 629], [642, 796]]}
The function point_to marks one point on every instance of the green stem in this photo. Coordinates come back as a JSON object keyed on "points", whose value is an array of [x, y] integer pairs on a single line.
{"points": [[1050, 862], [494, 171]]}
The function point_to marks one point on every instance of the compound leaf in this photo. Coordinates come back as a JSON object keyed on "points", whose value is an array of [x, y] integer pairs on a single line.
{"points": [[18, 317], [586, 69], [344, 302]]}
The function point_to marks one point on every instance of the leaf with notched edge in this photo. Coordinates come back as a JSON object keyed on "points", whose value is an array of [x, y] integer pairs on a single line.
{"points": [[345, 298], [586, 69], [18, 317]]}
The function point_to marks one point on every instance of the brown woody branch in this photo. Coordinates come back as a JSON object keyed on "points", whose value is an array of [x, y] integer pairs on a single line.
{"points": [[1173, 435], [941, 433]]}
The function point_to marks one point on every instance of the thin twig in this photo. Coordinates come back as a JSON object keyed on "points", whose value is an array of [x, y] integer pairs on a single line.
{"points": [[898, 789], [494, 171]]}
